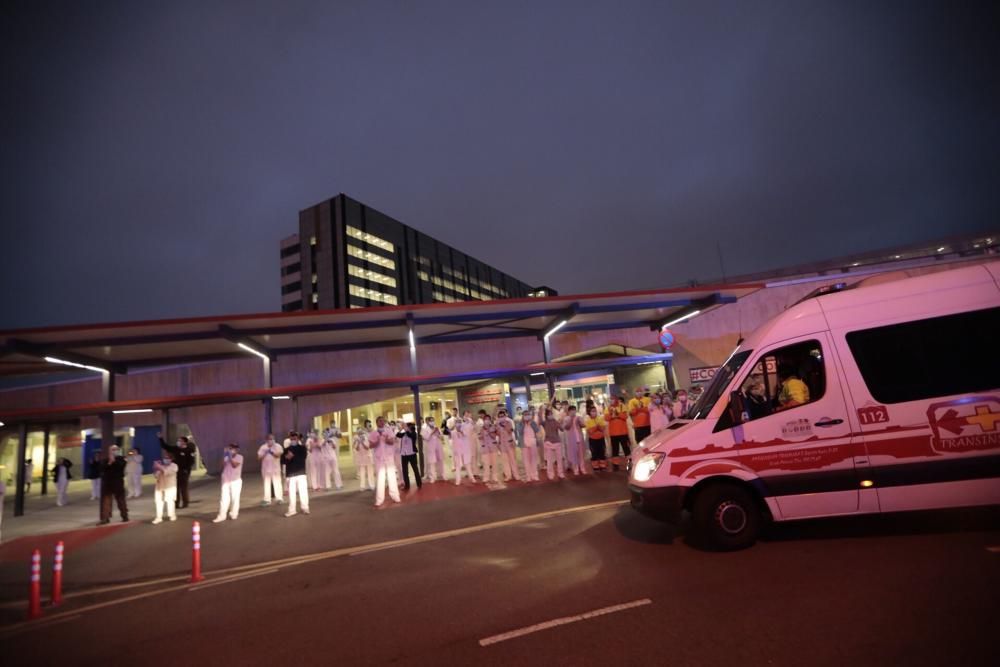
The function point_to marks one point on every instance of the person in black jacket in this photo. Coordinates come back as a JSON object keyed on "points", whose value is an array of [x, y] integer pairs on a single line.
{"points": [[408, 448], [113, 484], [183, 455], [61, 476], [295, 472]]}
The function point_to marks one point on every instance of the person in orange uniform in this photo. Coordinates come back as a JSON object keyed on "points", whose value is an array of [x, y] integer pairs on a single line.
{"points": [[638, 410], [617, 419]]}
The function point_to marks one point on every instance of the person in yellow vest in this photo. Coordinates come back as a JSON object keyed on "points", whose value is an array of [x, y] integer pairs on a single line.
{"points": [[617, 420], [596, 427], [793, 390], [638, 410]]}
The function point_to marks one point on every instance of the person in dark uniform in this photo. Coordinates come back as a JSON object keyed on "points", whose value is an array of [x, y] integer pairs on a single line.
{"points": [[183, 455], [113, 484]]}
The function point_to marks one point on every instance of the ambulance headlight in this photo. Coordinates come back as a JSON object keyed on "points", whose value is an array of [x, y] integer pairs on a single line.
{"points": [[647, 465]]}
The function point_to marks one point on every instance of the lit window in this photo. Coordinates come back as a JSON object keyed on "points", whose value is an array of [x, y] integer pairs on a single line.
{"points": [[371, 294], [315, 279], [370, 239], [315, 298], [373, 276], [312, 240], [355, 251]]}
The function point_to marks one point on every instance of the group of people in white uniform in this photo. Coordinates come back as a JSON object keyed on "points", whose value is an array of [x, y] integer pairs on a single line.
{"points": [[488, 448]]}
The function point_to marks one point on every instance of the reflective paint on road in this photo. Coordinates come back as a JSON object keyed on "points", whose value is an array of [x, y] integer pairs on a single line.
{"points": [[565, 620]]}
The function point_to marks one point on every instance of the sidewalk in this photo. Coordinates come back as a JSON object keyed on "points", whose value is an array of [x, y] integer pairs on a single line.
{"points": [[42, 516]]}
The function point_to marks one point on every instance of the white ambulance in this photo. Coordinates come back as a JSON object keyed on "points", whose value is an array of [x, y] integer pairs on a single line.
{"points": [[881, 397]]}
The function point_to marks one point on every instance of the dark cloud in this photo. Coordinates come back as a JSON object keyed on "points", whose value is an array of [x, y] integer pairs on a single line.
{"points": [[154, 154]]}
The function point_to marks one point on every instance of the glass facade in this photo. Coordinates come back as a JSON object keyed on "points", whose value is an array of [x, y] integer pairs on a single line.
{"points": [[359, 257]]}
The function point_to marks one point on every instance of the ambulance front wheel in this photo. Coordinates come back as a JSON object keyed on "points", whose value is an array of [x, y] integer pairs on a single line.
{"points": [[726, 517]]}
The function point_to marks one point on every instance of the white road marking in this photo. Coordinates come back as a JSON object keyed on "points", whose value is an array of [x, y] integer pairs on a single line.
{"points": [[302, 560], [994, 550], [565, 620], [229, 580]]}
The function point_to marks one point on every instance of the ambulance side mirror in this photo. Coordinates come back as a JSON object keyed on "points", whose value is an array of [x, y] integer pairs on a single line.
{"points": [[737, 408]]}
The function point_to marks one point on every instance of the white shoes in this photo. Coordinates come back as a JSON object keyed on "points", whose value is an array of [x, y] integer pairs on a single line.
{"points": [[158, 520], [290, 513], [218, 519]]}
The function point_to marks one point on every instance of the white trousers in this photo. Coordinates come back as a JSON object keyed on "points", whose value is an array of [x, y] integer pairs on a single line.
{"points": [[462, 457], [298, 486], [61, 488], [385, 476], [508, 457], [491, 472], [332, 467], [529, 453], [366, 473], [167, 498], [272, 479], [313, 470], [95, 488], [135, 484], [554, 460], [434, 461], [230, 500]]}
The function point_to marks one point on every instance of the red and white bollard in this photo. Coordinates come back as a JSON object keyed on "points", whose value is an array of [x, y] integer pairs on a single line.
{"points": [[35, 594], [57, 566], [196, 553]]}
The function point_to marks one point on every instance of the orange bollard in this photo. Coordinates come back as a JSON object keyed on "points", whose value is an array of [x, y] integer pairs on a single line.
{"points": [[196, 553], [57, 566], [35, 595]]}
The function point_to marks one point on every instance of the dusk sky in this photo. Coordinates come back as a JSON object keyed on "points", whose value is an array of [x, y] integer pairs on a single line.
{"points": [[154, 153]]}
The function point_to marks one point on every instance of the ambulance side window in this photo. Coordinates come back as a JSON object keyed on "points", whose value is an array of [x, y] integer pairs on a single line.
{"points": [[784, 379]]}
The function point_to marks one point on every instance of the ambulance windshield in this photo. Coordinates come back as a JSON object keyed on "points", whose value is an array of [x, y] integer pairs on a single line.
{"points": [[718, 385]]}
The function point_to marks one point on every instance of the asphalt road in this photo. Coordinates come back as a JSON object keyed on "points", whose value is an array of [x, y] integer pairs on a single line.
{"points": [[920, 589]]}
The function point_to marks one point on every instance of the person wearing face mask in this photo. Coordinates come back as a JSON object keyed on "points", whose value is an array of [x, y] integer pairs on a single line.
{"points": [[232, 484], [94, 475], [681, 404], [382, 443], [295, 473], [314, 460], [183, 455], [638, 410], [617, 419], [461, 434], [269, 455], [529, 434], [553, 446], [331, 464], [489, 449], [572, 427], [408, 448], [659, 414], [363, 455], [165, 489], [433, 450], [596, 427], [133, 472], [508, 449], [113, 485]]}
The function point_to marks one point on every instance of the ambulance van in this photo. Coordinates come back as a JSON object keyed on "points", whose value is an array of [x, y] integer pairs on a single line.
{"points": [[878, 397]]}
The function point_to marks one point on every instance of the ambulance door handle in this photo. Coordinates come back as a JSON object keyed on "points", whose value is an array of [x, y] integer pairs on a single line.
{"points": [[829, 422]]}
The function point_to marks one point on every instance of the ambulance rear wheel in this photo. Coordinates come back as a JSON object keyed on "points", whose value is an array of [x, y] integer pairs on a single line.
{"points": [[726, 517]]}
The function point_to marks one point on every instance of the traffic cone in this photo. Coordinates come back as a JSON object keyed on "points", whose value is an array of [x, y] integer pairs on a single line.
{"points": [[57, 566], [196, 553], [35, 594]]}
